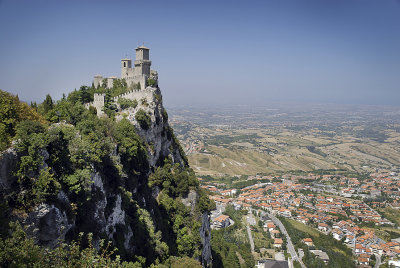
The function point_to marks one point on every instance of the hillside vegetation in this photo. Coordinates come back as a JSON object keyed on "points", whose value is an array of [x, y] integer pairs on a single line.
{"points": [[87, 181]]}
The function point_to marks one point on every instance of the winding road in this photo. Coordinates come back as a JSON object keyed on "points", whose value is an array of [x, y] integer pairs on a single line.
{"points": [[290, 246]]}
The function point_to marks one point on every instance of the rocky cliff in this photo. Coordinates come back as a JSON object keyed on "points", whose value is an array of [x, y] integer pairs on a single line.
{"points": [[125, 180]]}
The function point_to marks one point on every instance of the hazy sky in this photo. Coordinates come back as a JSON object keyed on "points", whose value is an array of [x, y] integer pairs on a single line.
{"points": [[336, 51]]}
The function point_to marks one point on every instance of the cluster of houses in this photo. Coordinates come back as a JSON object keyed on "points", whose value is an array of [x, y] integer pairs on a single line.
{"points": [[275, 234], [330, 212]]}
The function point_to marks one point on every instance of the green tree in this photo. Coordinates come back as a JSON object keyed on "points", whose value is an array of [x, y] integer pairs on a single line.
{"points": [[126, 103], [130, 147], [151, 82], [47, 104], [12, 111]]}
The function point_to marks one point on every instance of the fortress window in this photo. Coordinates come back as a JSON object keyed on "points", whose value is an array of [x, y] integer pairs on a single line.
{"points": [[124, 64]]}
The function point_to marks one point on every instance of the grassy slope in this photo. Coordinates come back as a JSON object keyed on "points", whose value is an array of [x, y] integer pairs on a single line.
{"points": [[304, 228]]}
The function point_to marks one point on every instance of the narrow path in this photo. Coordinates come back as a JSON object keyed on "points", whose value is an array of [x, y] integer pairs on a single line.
{"points": [[290, 246]]}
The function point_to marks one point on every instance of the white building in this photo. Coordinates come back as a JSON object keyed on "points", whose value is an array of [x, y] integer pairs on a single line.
{"points": [[396, 264]]}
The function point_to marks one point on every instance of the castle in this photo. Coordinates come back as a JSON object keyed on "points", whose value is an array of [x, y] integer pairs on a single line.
{"points": [[137, 79], [138, 75]]}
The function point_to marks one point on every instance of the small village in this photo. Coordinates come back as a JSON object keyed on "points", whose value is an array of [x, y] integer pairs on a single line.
{"points": [[348, 209]]}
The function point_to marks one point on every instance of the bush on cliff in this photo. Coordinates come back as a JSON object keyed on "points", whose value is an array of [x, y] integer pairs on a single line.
{"points": [[143, 119]]}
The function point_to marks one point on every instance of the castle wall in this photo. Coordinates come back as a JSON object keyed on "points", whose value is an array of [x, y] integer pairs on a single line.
{"points": [[138, 95], [134, 79]]}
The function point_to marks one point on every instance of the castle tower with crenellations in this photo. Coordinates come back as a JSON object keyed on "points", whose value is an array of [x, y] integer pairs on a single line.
{"points": [[134, 76], [138, 75]]}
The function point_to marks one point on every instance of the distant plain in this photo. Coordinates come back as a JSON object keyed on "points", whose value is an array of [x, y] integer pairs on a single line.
{"points": [[246, 140]]}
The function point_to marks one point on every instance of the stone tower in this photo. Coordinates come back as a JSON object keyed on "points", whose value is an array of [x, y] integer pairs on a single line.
{"points": [[142, 62], [126, 68], [97, 80]]}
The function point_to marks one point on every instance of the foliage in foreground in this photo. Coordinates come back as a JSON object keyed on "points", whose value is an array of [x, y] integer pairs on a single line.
{"points": [[20, 251]]}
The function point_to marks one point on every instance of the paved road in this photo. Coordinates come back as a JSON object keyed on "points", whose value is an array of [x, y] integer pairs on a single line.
{"points": [[250, 221], [250, 238], [378, 261], [290, 246], [250, 218]]}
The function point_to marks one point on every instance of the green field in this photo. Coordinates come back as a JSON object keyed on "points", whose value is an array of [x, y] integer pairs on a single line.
{"points": [[304, 228], [391, 214]]}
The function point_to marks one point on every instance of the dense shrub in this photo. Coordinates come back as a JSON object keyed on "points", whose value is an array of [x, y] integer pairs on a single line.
{"points": [[173, 179], [126, 103], [130, 147], [143, 119]]}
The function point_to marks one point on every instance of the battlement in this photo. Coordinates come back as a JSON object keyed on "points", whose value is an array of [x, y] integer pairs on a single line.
{"points": [[139, 74]]}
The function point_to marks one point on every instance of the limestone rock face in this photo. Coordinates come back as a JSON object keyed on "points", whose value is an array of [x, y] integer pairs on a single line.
{"points": [[205, 234], [7, 160], [48, 224], [190, 200], [157, 135]]}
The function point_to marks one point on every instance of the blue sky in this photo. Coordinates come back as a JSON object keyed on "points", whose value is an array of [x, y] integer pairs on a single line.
{"points": [[208, 52]]}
